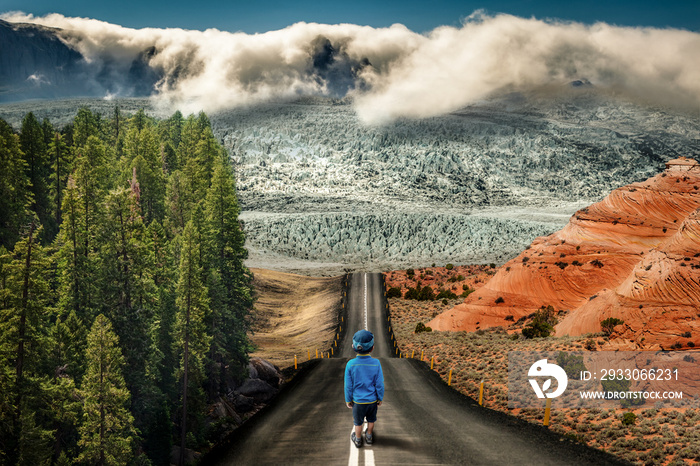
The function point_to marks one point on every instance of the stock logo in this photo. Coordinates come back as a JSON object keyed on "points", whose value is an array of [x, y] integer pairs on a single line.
{"points": [[543, 369]]}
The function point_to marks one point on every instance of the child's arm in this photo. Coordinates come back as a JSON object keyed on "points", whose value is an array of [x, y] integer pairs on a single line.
{"points": [[380, 386], [348, 386]]}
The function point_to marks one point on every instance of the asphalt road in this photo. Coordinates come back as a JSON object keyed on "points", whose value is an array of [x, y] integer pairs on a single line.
{"points": [[422, 421]]}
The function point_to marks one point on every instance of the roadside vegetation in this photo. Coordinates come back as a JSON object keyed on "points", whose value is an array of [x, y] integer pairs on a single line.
{"points": [[662, 435], [124, 300]]}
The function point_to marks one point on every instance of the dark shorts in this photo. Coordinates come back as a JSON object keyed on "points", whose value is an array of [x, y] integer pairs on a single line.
{"points": [[360, 412]]}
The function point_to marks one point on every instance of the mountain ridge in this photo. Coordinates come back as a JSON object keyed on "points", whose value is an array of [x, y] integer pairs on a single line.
{"points": [[595, 266]]}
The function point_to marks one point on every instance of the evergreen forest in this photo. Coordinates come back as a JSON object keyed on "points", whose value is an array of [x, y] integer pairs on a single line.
{"points": [[124, 299]]}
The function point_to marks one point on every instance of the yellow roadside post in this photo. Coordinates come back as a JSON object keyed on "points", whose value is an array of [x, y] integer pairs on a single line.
{"points": [[449, 379], [481, 393], [547, 411], [421, 355], [308, 353], [432, 360], [332, 351], [316, 353], [413, 353], [295, 362]]}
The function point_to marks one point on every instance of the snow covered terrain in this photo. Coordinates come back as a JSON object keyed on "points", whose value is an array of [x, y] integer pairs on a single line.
{"points": [[474, 186], [320, 192]]}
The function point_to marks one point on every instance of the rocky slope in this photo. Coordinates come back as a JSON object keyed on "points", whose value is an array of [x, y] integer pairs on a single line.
{"points": [[635, 256]]}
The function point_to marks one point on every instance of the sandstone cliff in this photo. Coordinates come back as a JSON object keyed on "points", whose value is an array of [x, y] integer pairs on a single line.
{"points": [[635, 255]]}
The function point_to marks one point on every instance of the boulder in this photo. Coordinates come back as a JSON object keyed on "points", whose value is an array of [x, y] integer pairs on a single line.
{"points": [[258, 389]]}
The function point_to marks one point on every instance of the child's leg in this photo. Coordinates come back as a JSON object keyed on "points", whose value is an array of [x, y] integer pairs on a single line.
{"points": [[370, 428], [358, 431]]}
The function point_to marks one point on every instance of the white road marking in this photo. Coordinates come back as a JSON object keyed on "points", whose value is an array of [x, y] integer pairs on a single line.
{"points": [[366, 302], [369, 457], [354, 452]]}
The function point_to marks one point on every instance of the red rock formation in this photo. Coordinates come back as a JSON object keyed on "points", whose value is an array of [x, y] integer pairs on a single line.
{"points": [[594, 266]]}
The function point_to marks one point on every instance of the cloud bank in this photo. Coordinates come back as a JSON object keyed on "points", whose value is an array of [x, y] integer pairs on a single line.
{"points": [[388, 72]]}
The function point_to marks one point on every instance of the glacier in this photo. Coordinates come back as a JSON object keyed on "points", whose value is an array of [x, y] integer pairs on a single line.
{"points": [[322, 193]]}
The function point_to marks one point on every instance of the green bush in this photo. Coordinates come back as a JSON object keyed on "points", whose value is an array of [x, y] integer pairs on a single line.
{"points": [[394, 292], [572, 364], [421, 327], [499, 300], [446, 294], [542, 324], [450, 266], [537, 330], [410, 273], [420, 294], [609, 324], [629, 419]]}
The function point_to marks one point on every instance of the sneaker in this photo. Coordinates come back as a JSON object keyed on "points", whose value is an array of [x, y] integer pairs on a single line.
{"points": [[356, 441], [369, 438]]}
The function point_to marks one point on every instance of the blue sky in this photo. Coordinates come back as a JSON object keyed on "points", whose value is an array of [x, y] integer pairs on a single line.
{"points": [[420, 16]]}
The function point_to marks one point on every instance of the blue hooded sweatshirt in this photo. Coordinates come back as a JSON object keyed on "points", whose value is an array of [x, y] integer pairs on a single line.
{"points": [[364, 381]]}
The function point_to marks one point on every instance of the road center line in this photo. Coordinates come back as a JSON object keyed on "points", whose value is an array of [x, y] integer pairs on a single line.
{"points": [[354, 452], [366, 302], [369, 457]]}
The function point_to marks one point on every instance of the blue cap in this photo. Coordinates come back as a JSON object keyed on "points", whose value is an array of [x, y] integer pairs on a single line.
{"points": [[363, 341]]}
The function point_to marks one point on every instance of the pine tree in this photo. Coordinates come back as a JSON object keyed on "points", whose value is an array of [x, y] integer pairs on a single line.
{"points": [[191, 338], [107, 434], [15, 195], [76, 264], [23, 324], [33, 146], [142, 153], [231, 290], [129, 293], [85, 125], [59, 156]]}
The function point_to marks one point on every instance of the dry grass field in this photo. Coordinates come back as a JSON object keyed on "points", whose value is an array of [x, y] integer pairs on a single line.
{"points": [[293, 314]]}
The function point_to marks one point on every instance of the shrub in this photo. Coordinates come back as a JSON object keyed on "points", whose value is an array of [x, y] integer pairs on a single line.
{"points": [[421, 327], [687, 335], [446, 294], [542, 323], [492, 265], [572, 365], [499, 300], [450, 266], [510, 318], [412, 293], [609, 324], [629, 419], [537, 330], [394, 292], [410, 272], [597, 263], [426, 294]]}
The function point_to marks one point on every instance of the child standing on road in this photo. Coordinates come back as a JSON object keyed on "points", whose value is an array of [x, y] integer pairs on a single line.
{"points": [[364, 386]]}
